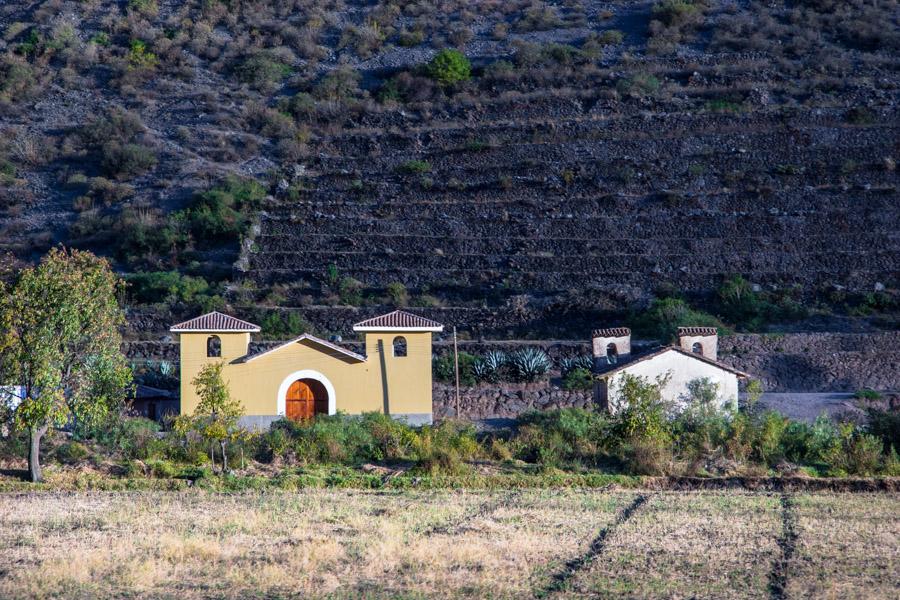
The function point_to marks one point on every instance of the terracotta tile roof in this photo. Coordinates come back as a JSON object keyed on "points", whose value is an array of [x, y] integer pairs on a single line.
{"points": [[628, 360], [611, 332], [398, 320], [697, 331], [215, 321]]}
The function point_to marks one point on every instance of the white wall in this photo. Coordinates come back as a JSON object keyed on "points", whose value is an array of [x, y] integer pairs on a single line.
{"points": [[682, 369]]}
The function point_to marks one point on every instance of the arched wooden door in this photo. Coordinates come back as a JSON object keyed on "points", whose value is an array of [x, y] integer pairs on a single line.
{"points": [[305, 398]]}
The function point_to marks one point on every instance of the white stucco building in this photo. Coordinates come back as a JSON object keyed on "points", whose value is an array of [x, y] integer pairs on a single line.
{"points": [[695, 357]]}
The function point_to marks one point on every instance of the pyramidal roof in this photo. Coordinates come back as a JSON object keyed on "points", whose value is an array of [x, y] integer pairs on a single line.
{"points": [[215, 322], [398, 320]]}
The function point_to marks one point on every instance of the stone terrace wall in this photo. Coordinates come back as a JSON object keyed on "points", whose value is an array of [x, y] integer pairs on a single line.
{"points": [[508, 400], [817, 362]]}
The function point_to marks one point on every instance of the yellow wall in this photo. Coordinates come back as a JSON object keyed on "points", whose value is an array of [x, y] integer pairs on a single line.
{"points": [[359, 386]]}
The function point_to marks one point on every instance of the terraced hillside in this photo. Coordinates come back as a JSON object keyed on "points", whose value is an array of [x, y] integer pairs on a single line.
{"points": [[595, 156]]}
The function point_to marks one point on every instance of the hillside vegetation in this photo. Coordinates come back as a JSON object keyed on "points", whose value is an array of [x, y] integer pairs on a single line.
{"points": [[524, 168]]}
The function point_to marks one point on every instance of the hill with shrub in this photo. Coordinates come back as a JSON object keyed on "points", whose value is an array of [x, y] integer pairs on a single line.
{"points": [[525, 168]]}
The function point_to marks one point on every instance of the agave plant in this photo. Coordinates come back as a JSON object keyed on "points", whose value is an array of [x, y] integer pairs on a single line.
{"points": [[488, 367], [570, 363], [530, 364]]}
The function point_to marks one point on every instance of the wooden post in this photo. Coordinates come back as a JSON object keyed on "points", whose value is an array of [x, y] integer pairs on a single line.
{"points": [[456, 369]]}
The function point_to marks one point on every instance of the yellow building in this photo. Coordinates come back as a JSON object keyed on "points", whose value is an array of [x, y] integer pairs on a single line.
{"points": [[309, 375]]}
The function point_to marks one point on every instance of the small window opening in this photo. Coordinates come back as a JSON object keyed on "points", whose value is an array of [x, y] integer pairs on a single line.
{"points": [[612, 354], [213, 347], [697, 348], [399, 346]]}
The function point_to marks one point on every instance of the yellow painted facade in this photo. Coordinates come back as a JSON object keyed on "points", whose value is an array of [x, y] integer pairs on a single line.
{"points": [[376, 382]]}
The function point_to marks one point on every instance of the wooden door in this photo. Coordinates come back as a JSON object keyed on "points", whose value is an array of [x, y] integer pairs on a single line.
{"points": [[301, 402]]}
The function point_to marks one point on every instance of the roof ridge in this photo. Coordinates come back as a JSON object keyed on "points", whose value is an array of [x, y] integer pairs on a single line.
{"points": [[215, 321], [398, 320]]}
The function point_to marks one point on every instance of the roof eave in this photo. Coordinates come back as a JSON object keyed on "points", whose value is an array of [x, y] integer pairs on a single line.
{"points": [[436, 328], [173, 330]]}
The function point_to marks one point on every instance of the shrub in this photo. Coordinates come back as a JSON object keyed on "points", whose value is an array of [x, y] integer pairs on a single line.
{"points": [[286, 325], [162, 468], [768, 446], [222, 214], [886, 425], [638, 85], [170, 287], [854, 452], [675, 13], [126, 160], [444, 370], [867, 394], [665, 315], [559, 436], [262, 71], [398, 294], [339, 84], [415, 167], [71, 453], [139, 57], [449, 66], [444, 448], [578, 379]]}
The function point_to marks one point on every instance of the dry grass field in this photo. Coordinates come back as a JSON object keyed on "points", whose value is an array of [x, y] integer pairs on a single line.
{"points": [[449, 544]]}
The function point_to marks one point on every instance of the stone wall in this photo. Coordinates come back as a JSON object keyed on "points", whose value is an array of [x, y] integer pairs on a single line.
{"points": [[817, 362], [505, 400]]}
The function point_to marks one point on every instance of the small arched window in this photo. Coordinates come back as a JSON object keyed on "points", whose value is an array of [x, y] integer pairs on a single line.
{"points": [[612, 354], [213, 347], [697, 348], [399, 346]]}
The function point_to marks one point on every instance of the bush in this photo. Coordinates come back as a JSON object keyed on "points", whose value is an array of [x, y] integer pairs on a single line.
{"points": [[675, 13], [854, 452], [444, 448], [886, 425], [666, 315], [578, 379], [126, 160], [262, 71], [415, 167], [71, 453], [168, 286], [223, 213], [569, 435], [449, 66], [282, 326], [443, 369], [867, 394]]}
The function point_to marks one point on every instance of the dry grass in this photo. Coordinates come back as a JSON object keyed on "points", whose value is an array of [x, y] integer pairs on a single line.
{"points": [[344, 543]]}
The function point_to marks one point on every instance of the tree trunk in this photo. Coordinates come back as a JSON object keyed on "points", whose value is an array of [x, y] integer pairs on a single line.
{"points": [[34, 453], [212, 457], [224, 458]]}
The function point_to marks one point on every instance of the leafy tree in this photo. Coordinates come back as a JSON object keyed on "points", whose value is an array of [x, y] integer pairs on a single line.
{"points": [[449, 66], [216, 416], [61, 344]]}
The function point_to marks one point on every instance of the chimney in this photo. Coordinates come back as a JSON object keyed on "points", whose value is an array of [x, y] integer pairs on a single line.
{"points": [[609, 344], [701, 340]]}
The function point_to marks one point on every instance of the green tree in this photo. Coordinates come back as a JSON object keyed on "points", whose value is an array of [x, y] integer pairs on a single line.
{"points": [[449, 66], [216, 416], [61, 344]]}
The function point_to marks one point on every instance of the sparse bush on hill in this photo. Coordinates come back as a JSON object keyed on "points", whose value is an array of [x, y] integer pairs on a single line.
{"points": [[262, 70], [449, 66]]}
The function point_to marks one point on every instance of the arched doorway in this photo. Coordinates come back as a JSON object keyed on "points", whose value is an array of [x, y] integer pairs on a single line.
{"points": [[305, 398]]}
